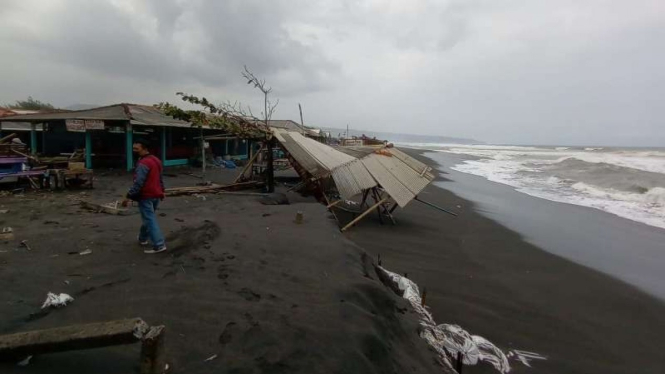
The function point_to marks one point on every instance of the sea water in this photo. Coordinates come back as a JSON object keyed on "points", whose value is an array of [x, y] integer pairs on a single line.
{"points": [[629, 183]]}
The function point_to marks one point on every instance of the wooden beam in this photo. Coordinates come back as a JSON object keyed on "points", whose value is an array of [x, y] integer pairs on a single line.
{"points": [[8, 137], [61, 339], [248, 166], [363, 214]]}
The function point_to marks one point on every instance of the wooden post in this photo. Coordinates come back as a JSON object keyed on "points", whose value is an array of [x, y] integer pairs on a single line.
{"points": [[33, 139], [152, 352], [363, 214], [248, 166], [88, 150], [128, 147], [163, 144], [270, 177]]}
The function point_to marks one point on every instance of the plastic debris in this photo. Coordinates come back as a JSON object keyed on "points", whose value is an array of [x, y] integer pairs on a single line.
{"points": [[4, 211], [86, 252], [449, 340], [202, 197], [57, 301], [210, 358], [24, 362]]}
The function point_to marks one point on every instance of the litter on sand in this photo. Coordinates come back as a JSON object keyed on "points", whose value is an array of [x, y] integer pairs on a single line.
{"points": [[86, 252], [210, 358], [57, 301], [25, 361]]}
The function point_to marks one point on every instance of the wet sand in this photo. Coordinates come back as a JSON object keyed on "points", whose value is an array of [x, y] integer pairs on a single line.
{"points": [[240, 281], [490, 281]]}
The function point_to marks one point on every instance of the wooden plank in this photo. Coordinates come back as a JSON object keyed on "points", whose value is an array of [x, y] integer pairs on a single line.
{"points": [[87, 336], [8, 137], [363, 214], [248, 166]]}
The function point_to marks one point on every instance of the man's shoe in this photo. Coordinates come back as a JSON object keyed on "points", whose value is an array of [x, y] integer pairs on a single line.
{"points": [[142, 243], [155, 250]]}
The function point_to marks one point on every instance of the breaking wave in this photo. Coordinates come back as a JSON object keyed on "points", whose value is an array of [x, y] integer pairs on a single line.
{"points": [[627, 182]]}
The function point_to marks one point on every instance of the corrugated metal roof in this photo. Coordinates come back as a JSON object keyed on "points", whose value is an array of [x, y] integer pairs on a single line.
{"points": [[352, 178], [327, 156], [393, 186], [409, 177], [151, 116], [412, 162], [142, 115], [299, 153], [359, 169], [113, 112]]}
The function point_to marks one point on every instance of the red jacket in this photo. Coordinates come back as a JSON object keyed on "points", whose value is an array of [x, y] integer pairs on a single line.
{"points": [[148, 183]]}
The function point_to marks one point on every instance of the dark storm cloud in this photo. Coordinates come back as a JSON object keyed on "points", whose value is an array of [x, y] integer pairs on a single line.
{"points": [[512, 71], [207, 42]]}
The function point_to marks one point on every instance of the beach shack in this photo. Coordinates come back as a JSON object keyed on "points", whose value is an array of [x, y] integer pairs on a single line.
{"points": [[105, 136]]}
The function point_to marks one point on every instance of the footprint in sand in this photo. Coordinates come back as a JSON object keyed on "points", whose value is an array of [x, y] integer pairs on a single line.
{"points": [[249, 295]]}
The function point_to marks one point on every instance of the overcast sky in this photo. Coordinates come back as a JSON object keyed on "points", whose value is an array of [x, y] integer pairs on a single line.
{"points": [[501, 71]]}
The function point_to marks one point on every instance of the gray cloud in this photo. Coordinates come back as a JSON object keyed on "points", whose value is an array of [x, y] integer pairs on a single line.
{"points": [[515, 71]]}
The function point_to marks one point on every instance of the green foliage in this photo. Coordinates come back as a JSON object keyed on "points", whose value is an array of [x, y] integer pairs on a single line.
{"points": [[30, 104], [217, 117]]}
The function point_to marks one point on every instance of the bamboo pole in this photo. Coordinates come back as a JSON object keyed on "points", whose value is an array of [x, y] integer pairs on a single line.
{"points": [[249, 165], [363, 214]]}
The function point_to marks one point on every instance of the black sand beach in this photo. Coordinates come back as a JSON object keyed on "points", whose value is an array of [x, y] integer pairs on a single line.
{"points": [[241, 281], [245, 283], [491, 282]]}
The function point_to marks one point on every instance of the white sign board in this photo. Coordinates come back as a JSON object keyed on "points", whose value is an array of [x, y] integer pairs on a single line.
{"points": [[76, 125], [94, 124], [79, 125]]}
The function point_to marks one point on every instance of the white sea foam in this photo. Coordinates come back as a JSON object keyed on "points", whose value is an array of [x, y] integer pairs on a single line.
{"points": [[628, 183]]}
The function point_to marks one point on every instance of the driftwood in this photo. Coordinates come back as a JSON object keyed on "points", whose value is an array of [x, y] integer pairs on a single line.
{"points": [[8, 137], [99, 208], [87, 336], [177, 191]]}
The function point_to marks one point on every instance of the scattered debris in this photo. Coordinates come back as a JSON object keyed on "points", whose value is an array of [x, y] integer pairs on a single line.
{"points": [[56, 301], [24, 243], [202, 197], [86, 252], [7, 233], [177, 191], [449, 341], [4, 211], [299, 217], [265, 215], [210, 358], [162, 214], [110, 208], [179, 220], [25, 361]]}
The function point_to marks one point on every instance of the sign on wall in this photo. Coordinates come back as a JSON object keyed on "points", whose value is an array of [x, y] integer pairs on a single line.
{"points": [[94, 124], [79, 125], [76, 125]]}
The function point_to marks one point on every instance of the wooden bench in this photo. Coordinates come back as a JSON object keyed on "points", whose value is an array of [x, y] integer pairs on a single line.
{"points": [[94, 335]]}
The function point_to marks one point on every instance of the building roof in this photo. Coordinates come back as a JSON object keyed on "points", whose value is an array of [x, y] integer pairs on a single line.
{"points": [[358, 169], [294, 126], [136, 114]]}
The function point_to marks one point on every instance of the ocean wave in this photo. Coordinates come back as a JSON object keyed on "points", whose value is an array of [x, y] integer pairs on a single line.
{"points": [[633, 194], [605, 175], [593, 149]]}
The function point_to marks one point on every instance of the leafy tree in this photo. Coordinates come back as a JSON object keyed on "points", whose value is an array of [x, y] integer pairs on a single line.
{"points": [[30, 104]]}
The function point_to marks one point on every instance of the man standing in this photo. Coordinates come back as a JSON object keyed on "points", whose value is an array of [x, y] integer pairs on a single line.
{"points": [[148, 191]]}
